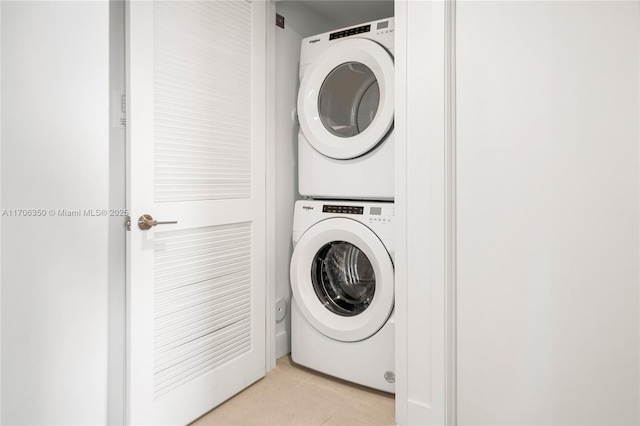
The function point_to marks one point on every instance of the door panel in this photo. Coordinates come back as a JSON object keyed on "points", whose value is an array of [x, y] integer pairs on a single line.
{"points": [[202, 301], [202, 100], [196, 298]]}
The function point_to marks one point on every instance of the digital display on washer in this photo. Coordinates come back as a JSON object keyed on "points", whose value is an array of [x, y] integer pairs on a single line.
{"points": [[382, 25], [375, 211], [328, 208], [350, 32]]}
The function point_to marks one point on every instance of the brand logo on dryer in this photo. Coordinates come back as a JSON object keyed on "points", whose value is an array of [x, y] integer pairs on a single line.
{"points": [[307, 207], [315, 40]]}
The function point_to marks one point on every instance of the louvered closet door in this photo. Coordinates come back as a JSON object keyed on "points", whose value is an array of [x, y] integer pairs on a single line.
{"points": [[196, 289]]}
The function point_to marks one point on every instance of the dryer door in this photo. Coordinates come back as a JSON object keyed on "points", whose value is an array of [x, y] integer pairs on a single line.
{"points": [[342, 279], [346, 99]]}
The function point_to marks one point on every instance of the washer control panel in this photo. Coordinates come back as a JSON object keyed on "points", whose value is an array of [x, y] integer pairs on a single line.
{"points": [[342, 209], [379, 213], [376, 215]]}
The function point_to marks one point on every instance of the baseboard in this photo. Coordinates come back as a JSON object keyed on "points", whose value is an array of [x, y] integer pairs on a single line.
{"points": [[283, 344]]}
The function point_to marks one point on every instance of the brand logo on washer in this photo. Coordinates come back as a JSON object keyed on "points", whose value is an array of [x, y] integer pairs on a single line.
{"points": [[315, 40], [390, 376], [307, 207]]}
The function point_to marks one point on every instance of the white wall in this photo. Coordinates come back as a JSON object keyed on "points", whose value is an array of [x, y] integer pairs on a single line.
{"points": [[286, 159], [302, 20], [55, 155], [548, 219]]}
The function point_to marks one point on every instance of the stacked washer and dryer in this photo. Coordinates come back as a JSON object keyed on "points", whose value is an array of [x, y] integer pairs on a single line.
{"points": [[342, 273]]}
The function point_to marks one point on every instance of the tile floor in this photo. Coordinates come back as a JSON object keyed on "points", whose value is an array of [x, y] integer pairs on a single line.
{"points": [[293, 395]]}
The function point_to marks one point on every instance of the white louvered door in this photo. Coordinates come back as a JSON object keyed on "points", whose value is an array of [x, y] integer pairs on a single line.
{"points": [[196, 149]]}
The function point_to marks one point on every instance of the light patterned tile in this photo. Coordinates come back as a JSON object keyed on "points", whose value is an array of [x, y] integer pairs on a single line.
{"points": [[357, 415], [307, 405], [293, 395], [215, 418], [351, 390]]}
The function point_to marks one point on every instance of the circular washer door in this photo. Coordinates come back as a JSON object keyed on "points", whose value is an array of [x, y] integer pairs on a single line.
{"points": [[342, 279], [346, 99]]}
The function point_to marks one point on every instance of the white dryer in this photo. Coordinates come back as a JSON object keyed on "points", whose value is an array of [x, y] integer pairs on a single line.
{"points": [[342, 280], [346, 113]]}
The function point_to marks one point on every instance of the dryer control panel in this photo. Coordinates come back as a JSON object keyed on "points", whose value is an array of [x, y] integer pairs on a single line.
{"points": [[380, 31], [350, 32]]}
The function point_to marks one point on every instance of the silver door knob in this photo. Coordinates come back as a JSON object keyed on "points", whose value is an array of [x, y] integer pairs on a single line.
{"points": [[146, 222]]}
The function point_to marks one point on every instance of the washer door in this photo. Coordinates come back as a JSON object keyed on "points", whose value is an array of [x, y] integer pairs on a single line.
{"points": [[342, 279], [346, 99]]}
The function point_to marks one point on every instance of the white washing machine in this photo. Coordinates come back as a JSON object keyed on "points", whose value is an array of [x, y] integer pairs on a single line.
{"points": [[342, 279], [346, 113]]}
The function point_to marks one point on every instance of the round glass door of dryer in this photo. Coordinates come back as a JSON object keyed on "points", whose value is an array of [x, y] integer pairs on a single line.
{"points": [[346, 99]]}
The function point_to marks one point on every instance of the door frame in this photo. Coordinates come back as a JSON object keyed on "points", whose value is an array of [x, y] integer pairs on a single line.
{"points": [[270, 182], [116, 392], [425, 212]]}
